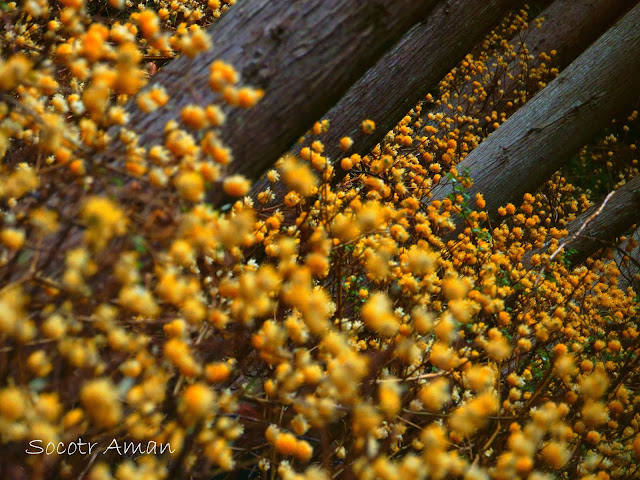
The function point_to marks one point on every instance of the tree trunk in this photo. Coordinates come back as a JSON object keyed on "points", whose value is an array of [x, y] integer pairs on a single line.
{"points": [[558, 121], [402, 77], [305, 54], [569, 27], [601, 228]]}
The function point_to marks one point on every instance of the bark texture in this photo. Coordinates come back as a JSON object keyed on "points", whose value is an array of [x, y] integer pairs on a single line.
{"points": [[422, 58], [305, 54], [414, 66], [401, 78], [560, 119], [618, 214], [569, 27]]}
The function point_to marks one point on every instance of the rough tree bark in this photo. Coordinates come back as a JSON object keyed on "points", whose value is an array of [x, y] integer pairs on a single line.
{"points": [[595, 228], [422, 58], [304, 53], [558, 121], [617, 215], [569, 27], [401, 78]]}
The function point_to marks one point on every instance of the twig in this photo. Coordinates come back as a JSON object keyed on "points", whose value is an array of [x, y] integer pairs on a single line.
{"points": [[409, 379], [577, 234]]}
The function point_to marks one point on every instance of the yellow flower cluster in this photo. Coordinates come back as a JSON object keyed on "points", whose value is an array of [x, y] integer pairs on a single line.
{"points": [[335, 331]]}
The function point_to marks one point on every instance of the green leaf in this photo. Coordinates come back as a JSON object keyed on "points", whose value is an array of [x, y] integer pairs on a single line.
{"points": [[139, 244]]}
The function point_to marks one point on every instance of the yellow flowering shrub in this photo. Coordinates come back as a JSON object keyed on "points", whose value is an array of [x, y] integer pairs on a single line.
{"points": [[339, 332]]}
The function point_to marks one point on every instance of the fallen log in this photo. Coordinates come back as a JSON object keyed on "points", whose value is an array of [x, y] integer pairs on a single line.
{"points": [[420, 60], [569, 27], [304, 54], [400, 79], [556, 122], [599, 225]]}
